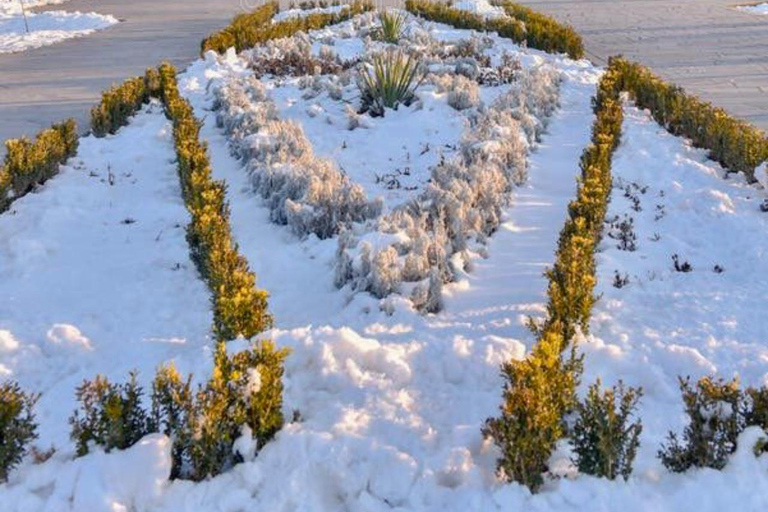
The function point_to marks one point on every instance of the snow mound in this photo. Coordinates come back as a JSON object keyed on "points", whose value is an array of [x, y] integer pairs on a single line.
{"points": [[480, 7], [761, 9]]}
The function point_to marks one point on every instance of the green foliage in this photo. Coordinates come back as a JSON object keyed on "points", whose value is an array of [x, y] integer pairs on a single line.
{"points": [[391, 26], [239, 307], [31, 163], [540, 390], [17, 426], [245, 389], [392, 80], [173, 410], [523, 26], [110, 415], [247, 30], [546, 33], [604, 441], [737, 145], [756, 414], [122, 101], [714, 426]]}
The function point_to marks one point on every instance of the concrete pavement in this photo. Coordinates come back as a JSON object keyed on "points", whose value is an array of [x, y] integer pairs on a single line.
{"points": [[706, 46]]}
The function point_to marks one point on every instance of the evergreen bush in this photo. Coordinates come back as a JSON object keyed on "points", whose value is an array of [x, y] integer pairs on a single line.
{"points": [[604, 441], [17, 425], [109, 415]]}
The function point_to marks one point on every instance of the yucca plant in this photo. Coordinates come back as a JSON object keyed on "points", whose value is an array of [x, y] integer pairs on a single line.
{"points": [[391, 29], [390, 80]]}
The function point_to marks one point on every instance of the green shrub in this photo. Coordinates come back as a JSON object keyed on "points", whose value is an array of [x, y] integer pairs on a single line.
{"points": [[17, 426], [392, 81], [239, 307], [120, 102], [248, 30], [604, 441], [173, 409], [391, 29], [524, 26], [715, 422], [109, 415], [756, 414], [735, 144], [540, 390], [31, 163]]}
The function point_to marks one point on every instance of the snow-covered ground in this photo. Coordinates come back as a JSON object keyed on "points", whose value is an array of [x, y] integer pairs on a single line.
{"points": [[45, 28], [755, 8], [95, 274], [390, 401]]}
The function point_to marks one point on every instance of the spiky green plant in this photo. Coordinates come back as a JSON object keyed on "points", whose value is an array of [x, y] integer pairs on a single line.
{"points": [[391, 29], [390, 80]]}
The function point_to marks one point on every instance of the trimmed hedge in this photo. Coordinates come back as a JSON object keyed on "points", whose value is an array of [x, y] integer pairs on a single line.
{"points": [[239, 307], [541, 389], [122, 101], [248, 30], [735, 144], [523, 26], [31, 163]]}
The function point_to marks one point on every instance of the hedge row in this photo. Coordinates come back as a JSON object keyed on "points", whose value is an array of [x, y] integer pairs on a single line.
{"points": [[122, 101], [239, 307], [523, 26], [248, 30], [735, 144], [541, 389], [31, 163]]}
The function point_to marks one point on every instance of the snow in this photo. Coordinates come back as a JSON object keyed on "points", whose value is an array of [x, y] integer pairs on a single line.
{"points": [[480, 7], [303, 13], [389, 403], [95, 274], [755, 8], [45, 28]]}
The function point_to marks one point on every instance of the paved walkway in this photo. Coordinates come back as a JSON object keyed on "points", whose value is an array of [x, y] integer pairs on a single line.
{"points": [[706, 46], [48, 84]]}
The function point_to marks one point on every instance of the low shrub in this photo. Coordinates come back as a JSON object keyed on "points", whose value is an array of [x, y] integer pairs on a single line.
{"points": [[109, 415], [249, 30], [523, 25], [604, 441], [713, 409], [31, 163], [17, 426], [736, 145], [391, 80], [540, 390], [391, 26], [239, 307], [122, 101]]}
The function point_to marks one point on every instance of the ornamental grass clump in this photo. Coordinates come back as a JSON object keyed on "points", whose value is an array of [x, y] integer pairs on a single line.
{"points": [[392, 24], [389, 81]]}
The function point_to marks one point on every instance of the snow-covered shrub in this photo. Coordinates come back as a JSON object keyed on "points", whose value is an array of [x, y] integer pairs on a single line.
{"points": [[17, 425], [713, 408], [756, 414], [109, 415], [604, 440], [462, 204], [246, 389], [306, 192], [292, 56], [463, 93], [391, 79]]}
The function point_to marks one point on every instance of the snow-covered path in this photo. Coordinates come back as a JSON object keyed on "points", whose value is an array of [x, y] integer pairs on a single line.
{"points": [[95, 274]]}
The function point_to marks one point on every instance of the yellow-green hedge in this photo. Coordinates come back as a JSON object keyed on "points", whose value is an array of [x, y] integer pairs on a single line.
{"points": [[122, 101], [248, 30], [735, 144], [29, 163], [541, 389], [523, 26], [239, 307]]}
